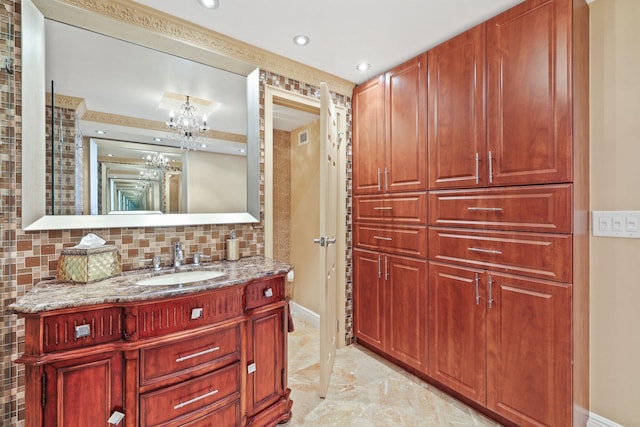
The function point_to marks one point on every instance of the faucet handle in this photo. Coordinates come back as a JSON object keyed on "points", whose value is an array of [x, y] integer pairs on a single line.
{"points": [[156, 260]]}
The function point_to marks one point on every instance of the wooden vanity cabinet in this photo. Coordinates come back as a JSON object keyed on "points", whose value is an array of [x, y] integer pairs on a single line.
{"points": [[213, 358]]}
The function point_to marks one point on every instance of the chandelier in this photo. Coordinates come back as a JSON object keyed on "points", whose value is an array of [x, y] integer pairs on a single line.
{"points": [[187, 126], [157, 161]]}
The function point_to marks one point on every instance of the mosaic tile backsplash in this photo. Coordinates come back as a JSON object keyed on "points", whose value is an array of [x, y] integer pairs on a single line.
{"points": [[28, 257]]}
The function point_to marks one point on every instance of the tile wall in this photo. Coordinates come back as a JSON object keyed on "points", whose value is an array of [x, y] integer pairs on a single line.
{"points": [[28, 257]]}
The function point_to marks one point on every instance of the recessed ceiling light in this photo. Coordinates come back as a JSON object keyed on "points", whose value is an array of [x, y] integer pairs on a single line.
{"points": [[209, 4], [363, 66], [301, 40], [100, 132]]}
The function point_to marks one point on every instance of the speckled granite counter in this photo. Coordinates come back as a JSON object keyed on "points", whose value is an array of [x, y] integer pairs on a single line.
{"points": [[54, 295]]}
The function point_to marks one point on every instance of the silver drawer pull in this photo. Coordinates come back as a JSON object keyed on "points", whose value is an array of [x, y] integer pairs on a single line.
{"points": [[195, 399], [383, 238], [474, 208], [485, 251], [268, 293], [200, 353], [382, 208]]}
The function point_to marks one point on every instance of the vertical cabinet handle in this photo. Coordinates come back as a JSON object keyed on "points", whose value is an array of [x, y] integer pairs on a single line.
{"points": [[477, 168], [477, 290], [379, 266], [379, 181], [386, 179], [386, 268], [490, 168], [490, 292]]}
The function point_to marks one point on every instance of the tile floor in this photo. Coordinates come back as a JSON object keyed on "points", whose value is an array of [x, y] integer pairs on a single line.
{"points": [[365, 390]]}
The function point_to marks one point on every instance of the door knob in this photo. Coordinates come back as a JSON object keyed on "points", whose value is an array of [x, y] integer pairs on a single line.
{"points": [[321, 241]]}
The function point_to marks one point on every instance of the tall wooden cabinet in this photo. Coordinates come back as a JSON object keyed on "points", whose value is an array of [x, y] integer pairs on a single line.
{"points": [[507, 230], [390, 153], [390, 216]]}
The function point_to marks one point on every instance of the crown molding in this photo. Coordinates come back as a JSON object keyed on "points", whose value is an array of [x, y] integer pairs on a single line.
{"points": [[126, 121], [172, 29]]}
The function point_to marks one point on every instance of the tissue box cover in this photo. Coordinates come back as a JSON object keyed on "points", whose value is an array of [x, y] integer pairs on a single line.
{"points": [[88, 265]]}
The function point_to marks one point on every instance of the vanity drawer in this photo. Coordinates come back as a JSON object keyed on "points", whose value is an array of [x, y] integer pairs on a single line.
{"points": [[529, 254], [410, 208], [399, 239], [265, 292], [540, 208], [188, 355], [190, 397], [80, 329], [227, 416], [183, 313]]}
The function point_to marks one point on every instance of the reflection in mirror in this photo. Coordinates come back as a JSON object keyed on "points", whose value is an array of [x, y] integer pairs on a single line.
{"points": [[109, 148]]}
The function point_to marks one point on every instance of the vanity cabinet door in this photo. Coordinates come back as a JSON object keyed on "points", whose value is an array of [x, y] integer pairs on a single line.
{"points": [[83, 392], [266, 375]]}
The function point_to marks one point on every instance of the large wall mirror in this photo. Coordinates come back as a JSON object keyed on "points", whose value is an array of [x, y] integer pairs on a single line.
{"points": [[102, 123]]}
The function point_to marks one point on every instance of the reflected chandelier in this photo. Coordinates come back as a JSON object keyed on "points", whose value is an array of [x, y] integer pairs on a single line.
{"points": [[187, 126]]}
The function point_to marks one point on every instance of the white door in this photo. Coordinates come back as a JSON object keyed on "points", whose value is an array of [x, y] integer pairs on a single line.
{"points": [[328, 230]]}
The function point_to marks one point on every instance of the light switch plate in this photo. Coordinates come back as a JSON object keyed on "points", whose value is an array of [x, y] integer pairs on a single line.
{"points": [[616, 224]]}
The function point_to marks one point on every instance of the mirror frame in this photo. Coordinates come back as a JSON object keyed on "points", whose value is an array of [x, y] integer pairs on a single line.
{"points": [[34, 215]]}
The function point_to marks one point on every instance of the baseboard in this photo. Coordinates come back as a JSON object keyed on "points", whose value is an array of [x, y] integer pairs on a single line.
{"points": [[596, 420], [305, 314]]}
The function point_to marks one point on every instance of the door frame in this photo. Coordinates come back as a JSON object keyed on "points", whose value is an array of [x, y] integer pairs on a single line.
{"points": [[270, 93]]}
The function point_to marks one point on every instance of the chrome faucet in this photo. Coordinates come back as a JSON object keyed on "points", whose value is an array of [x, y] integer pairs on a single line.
{"points": [[178, 255]]}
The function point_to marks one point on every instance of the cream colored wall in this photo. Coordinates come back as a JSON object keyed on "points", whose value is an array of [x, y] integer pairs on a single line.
{"points": [[305, 217], [215, 182], [615, 185]]}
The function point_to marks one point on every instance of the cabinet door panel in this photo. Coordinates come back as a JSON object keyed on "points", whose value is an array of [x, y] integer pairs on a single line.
{"points": [[367, 297], [457, 137], [529, 350], [266, 384], [528, 94], [457, 329], [405, 126], [83, 392], [368, 136], [406, 285]]}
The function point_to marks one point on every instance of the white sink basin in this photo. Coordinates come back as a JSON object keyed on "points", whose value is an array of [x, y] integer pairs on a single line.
{"points": [[180, 278]]}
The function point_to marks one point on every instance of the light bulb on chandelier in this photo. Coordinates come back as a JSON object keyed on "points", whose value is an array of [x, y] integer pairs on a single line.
{"points": [[187, 126]]}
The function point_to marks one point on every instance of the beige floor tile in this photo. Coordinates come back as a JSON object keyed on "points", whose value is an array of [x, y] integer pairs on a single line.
{"points": [[366, 391]]}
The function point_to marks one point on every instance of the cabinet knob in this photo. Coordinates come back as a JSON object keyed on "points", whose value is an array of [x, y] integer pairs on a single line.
{"points": [[268, 292]]}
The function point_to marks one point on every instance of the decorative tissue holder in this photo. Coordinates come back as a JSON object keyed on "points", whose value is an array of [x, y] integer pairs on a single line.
{"points": [[88, 265]]}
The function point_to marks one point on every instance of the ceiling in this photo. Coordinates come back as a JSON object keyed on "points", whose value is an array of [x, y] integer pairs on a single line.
{"points": [[343, 32]]}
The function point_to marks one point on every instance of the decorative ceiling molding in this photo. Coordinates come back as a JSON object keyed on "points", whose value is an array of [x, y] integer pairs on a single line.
{"points": [[175, 29], [126, 121]]}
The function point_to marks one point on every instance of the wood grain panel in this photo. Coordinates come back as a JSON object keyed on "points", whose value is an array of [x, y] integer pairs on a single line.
{"points": [[59, 331], [402, 240], [161, 318], [530, 254], [258, 293], [531, 208], [409, 208]]}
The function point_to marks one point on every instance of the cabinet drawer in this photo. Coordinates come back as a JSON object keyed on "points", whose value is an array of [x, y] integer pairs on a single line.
{"points": [[189, 397], [529, 254], [410, 208], [227, 416], [535, 208], [188, 355], [74, 330], [265, 292], [185, 313], [403, 240]]}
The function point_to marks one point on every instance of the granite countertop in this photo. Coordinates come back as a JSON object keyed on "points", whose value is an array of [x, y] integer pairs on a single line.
{"points": [[54, 295]]}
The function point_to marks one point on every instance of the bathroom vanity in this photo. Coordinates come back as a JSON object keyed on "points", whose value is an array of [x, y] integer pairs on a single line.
{"points": [[205, 353]]}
